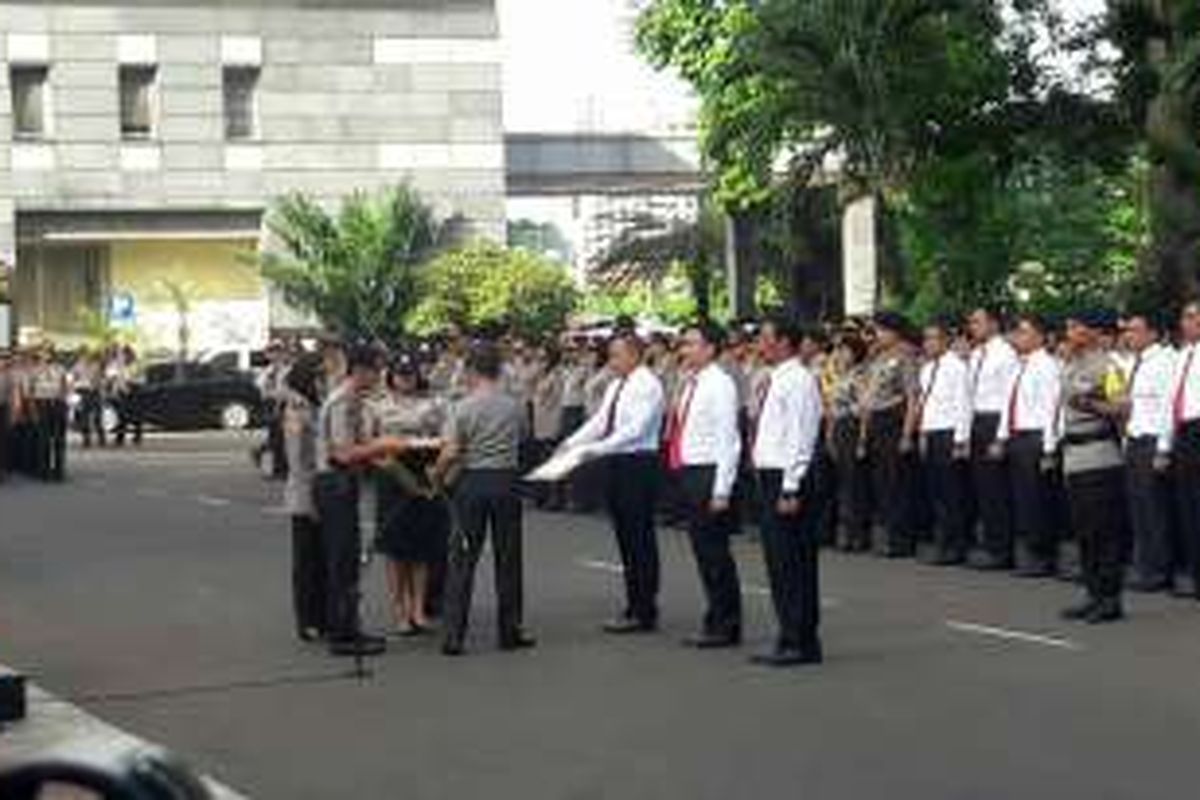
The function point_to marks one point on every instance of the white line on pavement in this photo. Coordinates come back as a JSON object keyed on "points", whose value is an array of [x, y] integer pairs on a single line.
{"points": [[1019, 636], [215, 502], [757, 591]]}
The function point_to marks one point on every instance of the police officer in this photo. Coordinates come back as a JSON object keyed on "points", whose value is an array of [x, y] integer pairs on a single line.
{"points": [[343, 451], [482, 442], [1093, 468], [49, 384], [891, 386]]}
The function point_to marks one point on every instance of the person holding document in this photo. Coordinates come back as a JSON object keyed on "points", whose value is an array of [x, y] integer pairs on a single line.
{"points": [[624, 432], [784, 439]]}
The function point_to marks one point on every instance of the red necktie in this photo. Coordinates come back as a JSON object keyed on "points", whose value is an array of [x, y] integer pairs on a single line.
{"points": [[678, 423], [1012, 399], [1180, 406], [611, 421]]}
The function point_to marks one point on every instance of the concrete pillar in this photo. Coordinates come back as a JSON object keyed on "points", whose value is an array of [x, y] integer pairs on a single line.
{"points": [[860, 258]]}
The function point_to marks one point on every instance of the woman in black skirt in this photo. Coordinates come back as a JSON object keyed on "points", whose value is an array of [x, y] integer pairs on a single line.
{"points": [[412, 520]]}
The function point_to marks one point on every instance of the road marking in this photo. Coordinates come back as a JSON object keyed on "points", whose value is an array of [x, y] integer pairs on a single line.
{"points": [[1018, 636], [751, 589], [215, 502]]}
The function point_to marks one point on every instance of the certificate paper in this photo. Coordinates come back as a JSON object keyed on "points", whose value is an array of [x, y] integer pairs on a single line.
{"points": [[558, 467]]}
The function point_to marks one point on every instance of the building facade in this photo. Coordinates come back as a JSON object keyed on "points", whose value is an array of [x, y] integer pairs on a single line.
{"points": [[141, 143]]}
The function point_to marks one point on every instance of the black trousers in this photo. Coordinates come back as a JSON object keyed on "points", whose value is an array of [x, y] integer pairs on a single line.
{"points": [[945, 486], [51, 437], [992, 496], [1187, 494], [485, 502], [91, 417], [889, 508], [129, 415], [337, 506], [1148, 492], [790, 548], [853, 484], [709, 535], [275, 441], [1097, 500], [1032, 519], [631, 493], [309, 596]]}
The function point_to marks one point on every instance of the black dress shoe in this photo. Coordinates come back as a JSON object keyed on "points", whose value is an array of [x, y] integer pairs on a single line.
{"points": [[788, 657], [1185, 592], [1036, 571], [1079, 611], [713, 641], [518, 641], [990, 563], [452, 648], [362, 645], [624, 626], [1108, 610]]}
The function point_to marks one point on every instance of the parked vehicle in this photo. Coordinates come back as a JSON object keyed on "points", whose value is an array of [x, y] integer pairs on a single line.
{"points": [[195, 396]]}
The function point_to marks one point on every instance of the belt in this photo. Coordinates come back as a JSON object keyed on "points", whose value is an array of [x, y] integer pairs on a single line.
{"points": [[1089, 438]]}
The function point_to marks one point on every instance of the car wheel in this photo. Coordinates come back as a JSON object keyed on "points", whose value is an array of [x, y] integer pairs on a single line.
{"points": [[235, 417]]}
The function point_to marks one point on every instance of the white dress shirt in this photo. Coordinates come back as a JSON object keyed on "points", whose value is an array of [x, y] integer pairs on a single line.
{"points": [[1033, 403], [788, 424], [945, 399], [1150, 398], [636, 419], [1185, 378], [708, 405], [993, 368]]}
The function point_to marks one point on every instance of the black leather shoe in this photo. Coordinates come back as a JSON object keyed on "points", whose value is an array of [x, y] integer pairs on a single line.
{"points": [[452, 648], [787, 657], [713, 641], [1109, 610], [519, 641], [624, 627], [1143, 586], [1036, 571], [1079, 611], [361, 646]]}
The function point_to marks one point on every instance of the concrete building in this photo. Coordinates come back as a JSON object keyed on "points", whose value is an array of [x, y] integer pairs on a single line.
{"points": [[141, 142]]}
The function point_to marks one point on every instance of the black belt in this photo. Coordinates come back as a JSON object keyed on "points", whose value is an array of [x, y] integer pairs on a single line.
{"points": [[1089, 438]]}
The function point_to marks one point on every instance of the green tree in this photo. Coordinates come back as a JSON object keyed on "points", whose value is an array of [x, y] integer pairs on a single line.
{"points": [[485, 284], [651, 247], [357, 269], [1159, 80]]}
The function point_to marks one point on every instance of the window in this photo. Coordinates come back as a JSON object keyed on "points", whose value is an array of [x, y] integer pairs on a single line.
{"points": [[240, 89], [29, 101], [137, 101]]}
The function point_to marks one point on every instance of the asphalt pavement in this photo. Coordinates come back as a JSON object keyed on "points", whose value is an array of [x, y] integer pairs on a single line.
{"points": [[152, 591]]}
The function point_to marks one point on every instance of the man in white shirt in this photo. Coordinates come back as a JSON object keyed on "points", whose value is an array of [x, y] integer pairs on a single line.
{"points": [[785, 434], [703, 449], [1147, 443], [942, 418], [993, 367], [1029, 433], [625, 433], [1185, 443]]}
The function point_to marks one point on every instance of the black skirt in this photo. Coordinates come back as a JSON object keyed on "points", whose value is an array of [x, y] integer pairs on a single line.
{"points": [[411, 527]]}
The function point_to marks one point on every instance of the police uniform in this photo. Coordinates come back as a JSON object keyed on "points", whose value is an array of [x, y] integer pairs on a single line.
{"points": [[49, 389], [1093, 469], [890, 379]]}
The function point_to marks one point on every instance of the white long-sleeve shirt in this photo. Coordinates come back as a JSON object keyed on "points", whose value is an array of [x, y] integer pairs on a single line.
{"points": [[636, 418], [1033, 403], [708, 408], [993, 368], [788, 424], [1185, 377], [945, 399], [1150, 399]]}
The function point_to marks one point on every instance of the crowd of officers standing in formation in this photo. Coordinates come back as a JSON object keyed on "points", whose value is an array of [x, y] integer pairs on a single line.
{"points": [[37, 386], [982, 442]]}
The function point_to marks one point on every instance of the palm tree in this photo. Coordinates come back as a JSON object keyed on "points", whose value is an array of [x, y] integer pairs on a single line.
{"points": [[355, 270]]}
